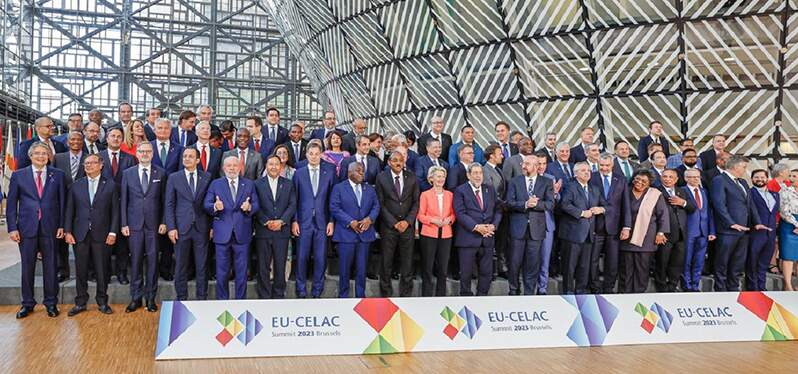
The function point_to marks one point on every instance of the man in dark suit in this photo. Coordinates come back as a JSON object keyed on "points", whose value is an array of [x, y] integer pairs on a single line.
{"points": [[91, 136], [513, 166], [709, 157], [735, 217], [617, 214], [228, 131], [115, 162], [149, 123], [91, 224], [273, 131], [547, 247], [210, 157], [71, 164], [125, 112], [371, 164], [142, 221], [467, 134], [430, 159], [562, 169], [549, 148], [720, 165], [436, 132], [184, 134], [257, 141], [44, 130], [528, 198], [349, 144], [166, 151], [252, 161], [503, 140], [579, 151], [689, 159], [700, 230], [355, 208], [656, 136], [312, 224], [329, 125], [34, 213], [624, 166], [277, 202], [398, 194], [74, 123], [457, 174], [670, 256], [580, 205], [297, 145], [187, 225], [232, 202], [762, 243], [478, 217]]}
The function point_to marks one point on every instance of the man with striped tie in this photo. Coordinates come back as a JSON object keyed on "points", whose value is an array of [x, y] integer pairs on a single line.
{"points": [[71, 163]]}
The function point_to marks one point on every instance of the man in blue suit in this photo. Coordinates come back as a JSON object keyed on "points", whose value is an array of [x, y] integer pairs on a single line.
{"points": [[273, 131], [579, 152], [551, 226], [466, 137], [183, 134], [700, 230], [329, 125], [44, 130], [91, 224], [74, 123], [355, 208], [655, 136], [528, 198], [277, 201], [166, 152], [34, 214], [457, 173], [313, 224], [561, 169], [478, 217], [617, 215], [735, 217], [371, 163], [187, 224], [257, 141], [142, 221], [210, 160], [432, 158], [763, 242], [580, 205], [232, 202]]}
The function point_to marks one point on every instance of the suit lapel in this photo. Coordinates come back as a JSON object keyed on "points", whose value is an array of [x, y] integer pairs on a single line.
{"points": [[100, 186]]}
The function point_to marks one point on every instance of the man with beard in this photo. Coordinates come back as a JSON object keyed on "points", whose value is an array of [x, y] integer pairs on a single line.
{"points": [[689, 161], [762, 242]]}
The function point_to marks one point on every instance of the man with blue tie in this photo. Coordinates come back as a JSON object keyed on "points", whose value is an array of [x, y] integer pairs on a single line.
{"points": [[503, 141], [371, 165], [551, 225], [91, 224], [167, 152], [528, 198], [430, 159], [71, 164], [312, 224], [579, 151], [478, 217], [34, 213], [329, 125], [273, 131], [763, 242], [561, 169], [608, 225], [187, 224], [355, 208], [142, 221], [297, 144], [277, 201], [700, 230], [183, 134], [210, 160], [580, 205], [232, 202]]}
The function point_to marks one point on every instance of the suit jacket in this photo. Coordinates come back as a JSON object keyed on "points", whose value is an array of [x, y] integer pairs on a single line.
{"points": [[677, 214], [618, 169], [319, 133], [709, 175], [99, 147], [303, 145], [22, 152], [545, 150], [512, 167], [345, 209], [283, 208], [142, 210], [372, 169], [231, 222], [572, 226], [226, 146], [642, 147], [124, 162], [313, 211], [63, 162], [446, 144], [681, 169], [266, 147], [174, 156], [214, 160], [469, 214], [255, 163], [428, 209], [23, 204], [525, 222], [493, 177], [701, 222], [617, 214], [191, 137], [149, 132], [732, 205], [512, 148], [182, 210], [349, 143], [479, 154], [456, 176], [555, 170], [709, 158], [99, 217], [577, 154], [422, 170], [766, 217], [395, 208], [282, 134]]}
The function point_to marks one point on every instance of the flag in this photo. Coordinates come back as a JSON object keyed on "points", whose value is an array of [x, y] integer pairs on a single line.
{"points": [[10, 163]]}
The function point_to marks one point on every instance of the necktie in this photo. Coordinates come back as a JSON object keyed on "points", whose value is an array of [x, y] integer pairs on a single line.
{"points": [[531, 187], [566, 170], [241, 162], [742, 187], [234, 190], [230, 144], [191, 184], [296, 153], [397, 186], [271, 133], [162, 156], [73, 168], [114, 163], [505, 151], [358, 194], [257, 145], [479, 199], [92, 191], [697, 196], [92, 150], [594, 168], [39, 184], [204, 158], [606, 186], [144, 180], [587, 195], [314, 180], [627, 170], [183, 137], [435, 162]]}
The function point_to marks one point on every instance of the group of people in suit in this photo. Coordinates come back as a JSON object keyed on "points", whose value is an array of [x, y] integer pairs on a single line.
{"points": [[219, 202]]}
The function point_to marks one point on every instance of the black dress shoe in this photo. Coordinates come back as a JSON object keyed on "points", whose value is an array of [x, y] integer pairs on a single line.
{"points": [[122, 278], [77, 309], [151, 306], [168, 277], [62, 278], [105, 309], [24, 311], [372, 276], [133, 306], [92, 278], [52, 311]]}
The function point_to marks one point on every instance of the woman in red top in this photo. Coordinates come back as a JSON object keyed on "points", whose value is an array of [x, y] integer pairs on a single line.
{"points": [[436, 214], [134, 134]]}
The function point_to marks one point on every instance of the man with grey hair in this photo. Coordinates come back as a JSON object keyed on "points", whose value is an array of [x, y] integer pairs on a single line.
{"points": [[44, 131], [349, 144], [562, 169], [411, 155], [205, 113], [435, 132], [592, 152]]}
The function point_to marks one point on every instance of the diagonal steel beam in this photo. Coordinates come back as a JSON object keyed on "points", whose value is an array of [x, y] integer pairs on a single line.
{"points": [[260, 102], [168, 48], [253, 56], [83, 44], [75, 41]]}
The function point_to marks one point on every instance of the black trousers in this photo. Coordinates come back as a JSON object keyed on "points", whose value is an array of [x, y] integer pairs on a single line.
{"points": [[609, 245], [435, 263], [121, 253], [482, 258], [669, 266], [503, 244], [167, 252], [193, 244], [62, 258], [97, 253], [636, 271], [576, 269], [730, 253], [271, 250], [524, 260], [393, 242]]}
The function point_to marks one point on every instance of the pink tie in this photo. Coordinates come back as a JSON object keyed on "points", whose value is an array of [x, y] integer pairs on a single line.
{"points": [[39, 188]]}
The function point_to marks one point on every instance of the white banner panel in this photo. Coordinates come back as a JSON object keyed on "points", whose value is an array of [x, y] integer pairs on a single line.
{"points": [[259, 328]]}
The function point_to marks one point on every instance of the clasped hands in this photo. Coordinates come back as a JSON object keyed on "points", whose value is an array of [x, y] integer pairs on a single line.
{"points": [[360, 226], [485, 229], [594, 211]]}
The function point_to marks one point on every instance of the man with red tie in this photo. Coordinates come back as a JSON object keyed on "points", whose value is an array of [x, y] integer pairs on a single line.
{"points": [[115, 162], [210, 157], [258, 142]]}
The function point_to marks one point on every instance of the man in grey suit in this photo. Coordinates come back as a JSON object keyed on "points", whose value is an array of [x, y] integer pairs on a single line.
{"points": [[252, 160], [513, 167]]}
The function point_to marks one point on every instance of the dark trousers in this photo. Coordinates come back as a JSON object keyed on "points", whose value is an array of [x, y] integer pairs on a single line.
{"points": [[349, 254], [167, 251], [503, 244], [121, 253], [609, 245], [760, 250], [271, 250], [311, 241], [695, 251], [236, 256], [191, 244], [482, 258], [28, 247], [392, 242], [636, 271], [669, 266], [576, 269], [143, 246], [524, 260], [434, 263], [62, 259], [97, 253], [730, 251]]}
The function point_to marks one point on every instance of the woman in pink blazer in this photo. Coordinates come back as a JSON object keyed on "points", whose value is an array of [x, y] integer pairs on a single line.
{"points": [[436, 214]]}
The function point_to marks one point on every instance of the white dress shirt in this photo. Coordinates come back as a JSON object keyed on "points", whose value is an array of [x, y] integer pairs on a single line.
{"points": [[273, 186]]}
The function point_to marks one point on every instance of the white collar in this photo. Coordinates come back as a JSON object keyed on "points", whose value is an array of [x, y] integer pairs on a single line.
{"points": [[396, 175], [477, 188], [95, 179], [229, 181], [43, 169], [353, 184], [195, 171], [142, 166]]}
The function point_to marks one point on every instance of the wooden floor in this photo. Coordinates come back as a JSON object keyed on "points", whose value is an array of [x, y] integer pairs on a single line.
{"points": [[124, 343]]}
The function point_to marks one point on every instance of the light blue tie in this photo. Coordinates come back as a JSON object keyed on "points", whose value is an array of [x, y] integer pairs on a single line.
{"points": [[358, 194], [92, 191], [183, 137], [606, 186], [314, 180]]}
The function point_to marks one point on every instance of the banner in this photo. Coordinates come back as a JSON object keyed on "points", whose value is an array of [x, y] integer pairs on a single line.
{"points": [[260, 328]]}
